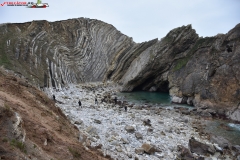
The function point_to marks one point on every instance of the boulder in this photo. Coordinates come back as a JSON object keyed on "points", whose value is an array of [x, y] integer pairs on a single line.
{"points": [[205, 114], [190, 101], [222, 142], [236, 149], [200, 148], [138, 135], [149, 149], [234, 114], [185, 153], [238, 157], [130, 129], [176, 99], [91, 130]]}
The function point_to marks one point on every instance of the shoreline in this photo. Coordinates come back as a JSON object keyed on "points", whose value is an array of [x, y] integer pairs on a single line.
{"points": [[103, 126]]}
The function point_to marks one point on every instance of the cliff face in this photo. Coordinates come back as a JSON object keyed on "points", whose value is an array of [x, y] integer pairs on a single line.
{"points": [[195, 70], [58, 53]]}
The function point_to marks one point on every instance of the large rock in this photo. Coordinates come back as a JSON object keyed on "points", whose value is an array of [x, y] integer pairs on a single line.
{"points": [[222, 142], [185, 153], [149, 149], [200, 148], [129, 129], [234, 114], [91, 130], [176, 99]]}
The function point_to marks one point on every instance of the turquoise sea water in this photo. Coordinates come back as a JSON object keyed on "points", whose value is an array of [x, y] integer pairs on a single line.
{"points": [[145, 97], [152, 98], [164, 99], [232, 134]]}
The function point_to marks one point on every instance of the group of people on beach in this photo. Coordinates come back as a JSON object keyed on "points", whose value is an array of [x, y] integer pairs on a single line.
{"points": [[96, 102]]}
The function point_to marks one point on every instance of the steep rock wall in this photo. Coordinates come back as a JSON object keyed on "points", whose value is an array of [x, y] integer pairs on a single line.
{"points": [[194, 70], [57, 53]]}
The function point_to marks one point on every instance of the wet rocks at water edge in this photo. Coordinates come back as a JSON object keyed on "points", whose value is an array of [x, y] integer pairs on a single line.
{"points": [[200, 148], [185, 153]]}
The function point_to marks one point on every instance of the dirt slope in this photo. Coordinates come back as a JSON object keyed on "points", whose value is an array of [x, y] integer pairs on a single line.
{"points": [[32, 127]]}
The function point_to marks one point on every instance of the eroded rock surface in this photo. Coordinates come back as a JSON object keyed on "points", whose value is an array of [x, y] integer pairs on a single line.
{"points": [[195, 70]]}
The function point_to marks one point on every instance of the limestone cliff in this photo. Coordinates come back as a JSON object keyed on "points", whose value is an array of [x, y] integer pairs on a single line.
{"points": [[195, 70]]}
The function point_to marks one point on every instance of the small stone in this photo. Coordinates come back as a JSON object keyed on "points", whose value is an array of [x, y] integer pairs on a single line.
{"points": [[93, 139], [138, 135], [124, 140], [147, 122], [115, 143], [162, 133], [130, 129], [150, 129], [129, 155], [97, 121], [119, 149], [78, 122], [45, 142], [160, 122]]}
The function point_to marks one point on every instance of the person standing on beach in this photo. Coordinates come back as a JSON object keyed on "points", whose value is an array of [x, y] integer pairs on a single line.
{"points": [[80, 103], [125, 107], [96, 101], [115, 100], [54, 98]]}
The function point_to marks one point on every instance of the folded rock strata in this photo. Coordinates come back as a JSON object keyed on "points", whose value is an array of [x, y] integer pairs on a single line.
{"points": [[194, 70]]}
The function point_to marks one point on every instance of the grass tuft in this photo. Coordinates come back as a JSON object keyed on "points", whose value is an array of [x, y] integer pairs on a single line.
{"points": [[19, 145], [74, 152]]}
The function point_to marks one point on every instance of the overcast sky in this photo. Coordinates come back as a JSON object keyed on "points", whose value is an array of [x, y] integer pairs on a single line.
{"points": [[141, 19]]}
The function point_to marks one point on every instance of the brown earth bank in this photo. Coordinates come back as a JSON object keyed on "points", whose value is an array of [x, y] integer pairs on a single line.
{"points": [[32, 127]]}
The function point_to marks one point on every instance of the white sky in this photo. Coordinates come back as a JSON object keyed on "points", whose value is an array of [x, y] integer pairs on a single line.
{"points": [[141, 19]]}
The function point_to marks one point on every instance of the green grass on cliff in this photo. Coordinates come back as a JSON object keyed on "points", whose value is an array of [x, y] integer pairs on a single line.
{"points": [[4, 61], [207, 41], [181, 63], [4, 58]]}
